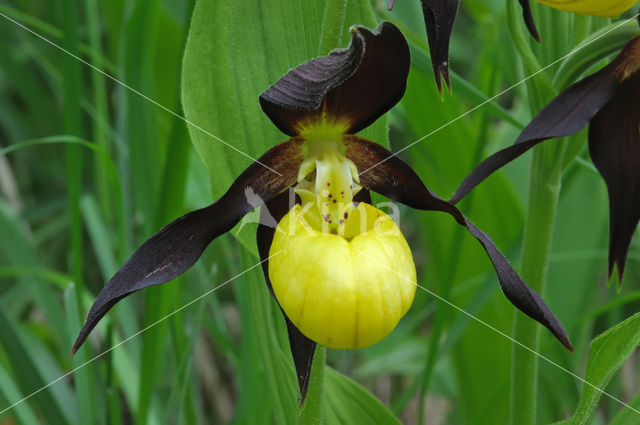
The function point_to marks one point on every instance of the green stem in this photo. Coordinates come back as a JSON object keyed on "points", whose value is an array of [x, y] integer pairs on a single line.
{"points": [[332, 23], [544, 189], [543, 199]]}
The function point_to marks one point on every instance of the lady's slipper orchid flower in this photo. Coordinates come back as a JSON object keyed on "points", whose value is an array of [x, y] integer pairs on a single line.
{"points": [[340, 269], [439, 17], [609, 102]]}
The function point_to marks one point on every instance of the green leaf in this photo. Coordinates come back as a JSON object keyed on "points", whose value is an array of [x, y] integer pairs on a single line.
{"points": [[33, 369], [607, 354], [311, 410], [627, 416], [82, 377], [346, 402], [13, 395], [278, 370]]}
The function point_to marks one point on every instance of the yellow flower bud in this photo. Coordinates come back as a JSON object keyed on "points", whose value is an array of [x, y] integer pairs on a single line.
{"points": [[610, 8], [342, 291]]}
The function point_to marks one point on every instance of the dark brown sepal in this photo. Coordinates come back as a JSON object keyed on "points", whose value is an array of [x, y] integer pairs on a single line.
{"points": [[528, 19], [349, 87], [390, 176], [439, 17], [566, 114], [177, 246], [614, 145]]}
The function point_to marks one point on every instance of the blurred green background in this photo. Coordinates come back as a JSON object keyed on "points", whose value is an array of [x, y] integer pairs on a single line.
{"points": [[89, 169]]}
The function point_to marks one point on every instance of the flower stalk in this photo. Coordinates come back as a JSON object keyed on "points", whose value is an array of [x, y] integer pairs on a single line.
{"points": [[544, 186], [544, 189]]}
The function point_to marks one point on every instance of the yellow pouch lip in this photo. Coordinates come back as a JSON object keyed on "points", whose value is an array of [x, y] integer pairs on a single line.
{"points": [[591, 7], [339, 292]]}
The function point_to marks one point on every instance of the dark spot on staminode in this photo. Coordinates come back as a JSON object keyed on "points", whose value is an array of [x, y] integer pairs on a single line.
{"points": [[346, 215], [330, 196], [328, 184], [341, 221], [334, 201], [326, 218]]}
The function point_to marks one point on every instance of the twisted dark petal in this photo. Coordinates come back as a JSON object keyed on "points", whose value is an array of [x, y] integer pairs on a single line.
{"points": [[528, 19], [363, 196], [439, 16], [177, 246], [393, 178], [614, 145], [566, 114], [352, 86]]}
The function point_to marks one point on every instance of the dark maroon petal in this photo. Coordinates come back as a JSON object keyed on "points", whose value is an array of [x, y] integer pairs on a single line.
{"points": [[350, 87], [439, 16], [566, 114], [614, 145], [177, 246], [302, 348], [363, 196], [528, 19], [390, 176]]}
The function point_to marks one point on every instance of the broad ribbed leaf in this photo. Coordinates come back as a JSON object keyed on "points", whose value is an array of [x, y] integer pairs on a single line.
{"points": [[382, 172], [347, 402], [352, 87]]}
